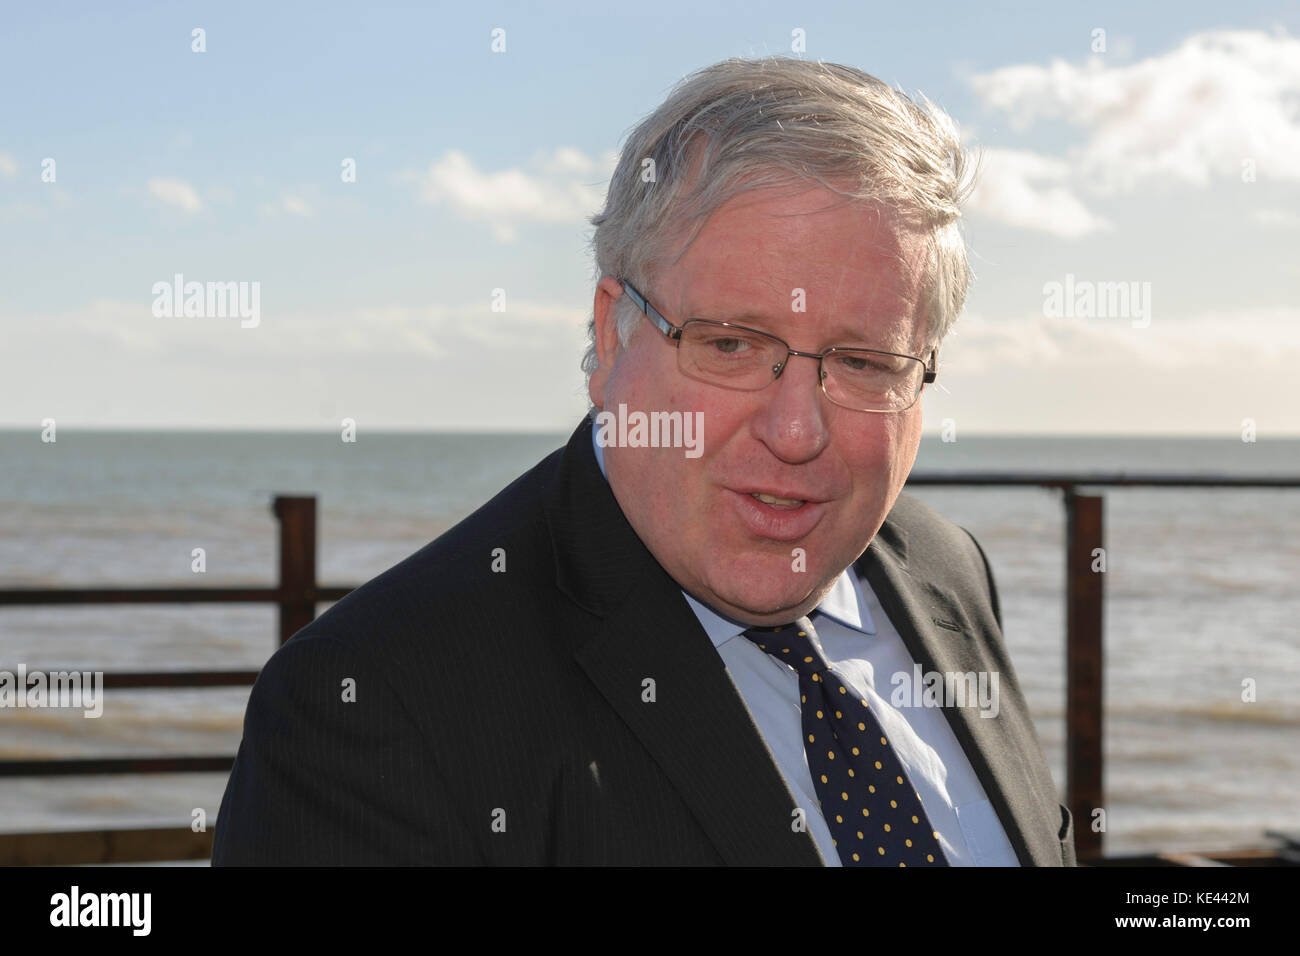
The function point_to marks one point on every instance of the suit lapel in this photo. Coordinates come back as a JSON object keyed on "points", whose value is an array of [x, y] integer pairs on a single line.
{"points": [[697, 729], [993, 745]]}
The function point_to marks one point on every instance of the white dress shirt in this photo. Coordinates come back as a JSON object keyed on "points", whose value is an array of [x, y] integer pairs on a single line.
{"points": [[864, 650]]}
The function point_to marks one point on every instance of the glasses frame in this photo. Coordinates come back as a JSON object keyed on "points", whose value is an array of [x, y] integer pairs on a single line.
{"points": [[674, 334]]}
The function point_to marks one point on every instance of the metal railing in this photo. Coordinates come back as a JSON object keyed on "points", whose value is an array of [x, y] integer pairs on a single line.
{"points": [[298, 593]]}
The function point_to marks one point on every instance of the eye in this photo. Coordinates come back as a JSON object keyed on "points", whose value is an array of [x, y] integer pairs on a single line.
{"points": [[860, 363], [729, 345]]}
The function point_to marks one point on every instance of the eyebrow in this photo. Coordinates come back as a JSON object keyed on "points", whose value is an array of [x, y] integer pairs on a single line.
{"points": [[843, 336]]}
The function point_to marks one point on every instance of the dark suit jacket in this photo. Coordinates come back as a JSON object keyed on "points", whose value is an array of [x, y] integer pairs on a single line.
{"points": [[499, 716]]}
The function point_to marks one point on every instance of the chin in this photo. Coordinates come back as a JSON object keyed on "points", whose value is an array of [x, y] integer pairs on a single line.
{"points": [[762, 595]]}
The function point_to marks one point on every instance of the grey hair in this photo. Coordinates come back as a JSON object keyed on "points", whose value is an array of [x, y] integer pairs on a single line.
{"points": [[745, 124]]}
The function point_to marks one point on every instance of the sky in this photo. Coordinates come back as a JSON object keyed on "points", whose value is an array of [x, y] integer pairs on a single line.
{"points": [[375, 171]]}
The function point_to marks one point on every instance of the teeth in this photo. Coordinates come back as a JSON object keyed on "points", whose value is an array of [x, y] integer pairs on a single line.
{"points": [[774, 500]]}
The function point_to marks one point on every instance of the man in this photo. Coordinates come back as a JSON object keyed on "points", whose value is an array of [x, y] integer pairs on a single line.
{"points": [[691, 643]]}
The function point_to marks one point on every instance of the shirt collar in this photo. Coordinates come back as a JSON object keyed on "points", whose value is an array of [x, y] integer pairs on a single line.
{"points": [[844, 603]]}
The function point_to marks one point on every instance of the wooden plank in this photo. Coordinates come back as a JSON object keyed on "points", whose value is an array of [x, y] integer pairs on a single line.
{"points": [[80, 766], [137, 679], [75, 847], [1190, 859]]}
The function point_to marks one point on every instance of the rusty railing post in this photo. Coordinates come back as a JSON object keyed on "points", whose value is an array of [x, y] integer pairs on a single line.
{"points": [[1085, 591], [297, 517]]}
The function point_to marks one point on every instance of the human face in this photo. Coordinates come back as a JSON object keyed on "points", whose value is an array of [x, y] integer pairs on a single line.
{"points": [[860, 276]]}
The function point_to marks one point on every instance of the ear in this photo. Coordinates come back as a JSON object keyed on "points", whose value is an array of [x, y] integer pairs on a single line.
{"points": [[608, 290]]}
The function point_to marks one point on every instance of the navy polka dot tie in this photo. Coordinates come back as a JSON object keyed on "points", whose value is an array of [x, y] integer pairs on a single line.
{"points": [[873, 812]]}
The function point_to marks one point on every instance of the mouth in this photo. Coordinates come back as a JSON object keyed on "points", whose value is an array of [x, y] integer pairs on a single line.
{"points": [[781, 504], [777, 514]]}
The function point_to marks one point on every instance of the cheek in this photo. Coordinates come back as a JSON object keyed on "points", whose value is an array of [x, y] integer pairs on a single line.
{"points": [[882, 457], [621, 382], [904, 436], [638, 380]]}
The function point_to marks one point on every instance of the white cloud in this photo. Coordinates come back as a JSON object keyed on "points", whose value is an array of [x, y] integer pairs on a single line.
{"points": [[1231, 345], [1031, 191], [8, 168], [1186, 373], [1276, 218], [22, 212], [114, 326], [293, 205], [175, 192], [566, 189], [522, 325], [568, 161], [1189, 115]]}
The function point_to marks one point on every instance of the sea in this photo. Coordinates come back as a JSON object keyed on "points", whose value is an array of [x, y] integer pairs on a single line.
{"points": [[1202, 612]]}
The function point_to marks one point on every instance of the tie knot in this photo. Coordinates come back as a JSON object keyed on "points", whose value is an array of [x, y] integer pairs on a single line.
{"points": [[794, 644]]}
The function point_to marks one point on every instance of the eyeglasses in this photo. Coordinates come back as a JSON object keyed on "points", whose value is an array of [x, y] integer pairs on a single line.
{"points": [[732, 356]]}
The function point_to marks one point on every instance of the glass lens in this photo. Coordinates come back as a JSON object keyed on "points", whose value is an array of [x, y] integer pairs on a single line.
{"points": [[871, 380], [727, 356]]}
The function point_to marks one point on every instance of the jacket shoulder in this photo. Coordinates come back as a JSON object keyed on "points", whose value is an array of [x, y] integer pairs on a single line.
{"points": [[460, 573], [932, 539], [939, 553]]}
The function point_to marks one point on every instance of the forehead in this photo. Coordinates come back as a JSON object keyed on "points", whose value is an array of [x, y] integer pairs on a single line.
{"points": [[806, 260]]}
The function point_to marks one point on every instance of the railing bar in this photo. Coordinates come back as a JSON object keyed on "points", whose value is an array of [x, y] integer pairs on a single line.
{"points": [[78, 766], [166, 595]]}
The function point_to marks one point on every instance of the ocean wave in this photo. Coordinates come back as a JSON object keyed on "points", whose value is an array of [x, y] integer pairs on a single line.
{"points": [[1234, 712]]}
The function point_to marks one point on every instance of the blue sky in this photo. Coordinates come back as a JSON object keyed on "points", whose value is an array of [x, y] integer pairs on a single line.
{"points": [[475, 171]]}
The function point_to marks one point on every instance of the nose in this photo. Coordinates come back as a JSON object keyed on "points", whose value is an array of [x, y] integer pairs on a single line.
{"points": [[791, 420]]}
